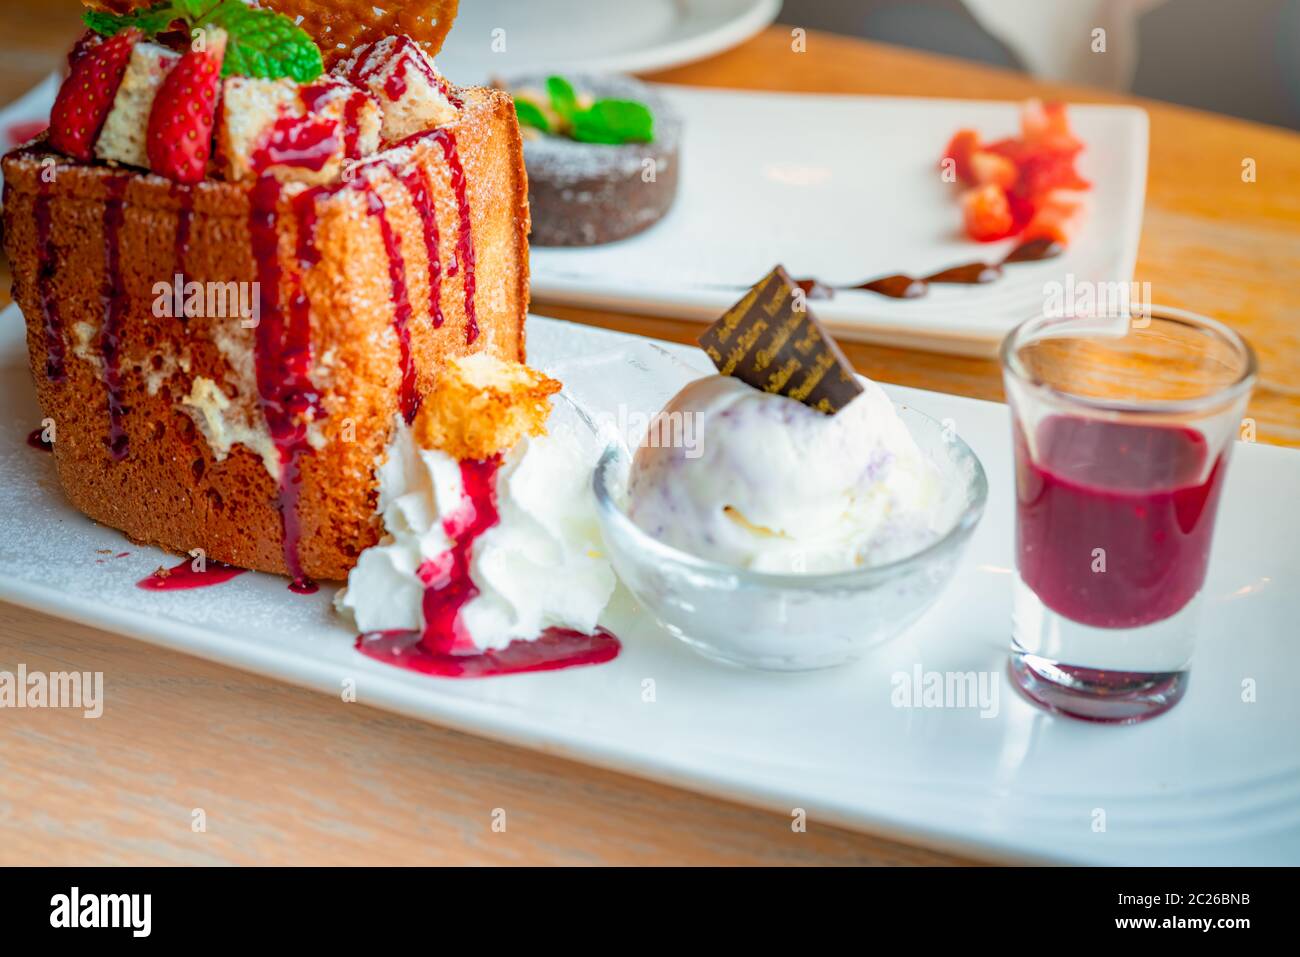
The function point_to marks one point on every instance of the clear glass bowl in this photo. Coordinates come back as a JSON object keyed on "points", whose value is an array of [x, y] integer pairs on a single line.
{"points": [[793, 622]]}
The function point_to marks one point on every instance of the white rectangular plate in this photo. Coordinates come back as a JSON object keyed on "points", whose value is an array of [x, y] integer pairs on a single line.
{"points": [[847, 188], [1216, 780]]}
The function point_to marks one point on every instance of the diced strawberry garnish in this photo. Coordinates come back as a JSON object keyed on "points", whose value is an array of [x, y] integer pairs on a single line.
{"points": [[1045, 125], [1014, 149], [959, 150], [987, 212], [1018, 179], [179, 138], [87, 95], [1057, 218], [1043, 172], [986, 167], [1022, 209]]}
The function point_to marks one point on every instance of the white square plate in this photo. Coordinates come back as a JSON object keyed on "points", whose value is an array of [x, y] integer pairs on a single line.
{"points": [[847, 188], [1216, 780]]}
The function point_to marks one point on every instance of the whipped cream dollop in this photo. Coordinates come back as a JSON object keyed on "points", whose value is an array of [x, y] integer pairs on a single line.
{"points": [[774, 485], [542, 565]]}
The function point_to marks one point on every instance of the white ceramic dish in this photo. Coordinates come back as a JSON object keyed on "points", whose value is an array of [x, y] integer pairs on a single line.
{"points": [[848, 188], [1217, 780], [506, 36]]}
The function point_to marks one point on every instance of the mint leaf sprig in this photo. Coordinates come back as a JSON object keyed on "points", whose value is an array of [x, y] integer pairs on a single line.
{"points": [[259, 43], [607, 121]]}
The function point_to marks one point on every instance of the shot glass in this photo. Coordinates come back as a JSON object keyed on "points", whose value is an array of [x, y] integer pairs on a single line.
{"points": [[1122, 429]]}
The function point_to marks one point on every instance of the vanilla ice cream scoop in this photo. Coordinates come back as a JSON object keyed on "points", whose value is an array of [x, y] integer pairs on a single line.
{"points": [[773, 485]]}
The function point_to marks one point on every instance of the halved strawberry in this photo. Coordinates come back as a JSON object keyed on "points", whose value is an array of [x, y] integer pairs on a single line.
{"points": [[987, 212], [179, 139], [87, 94]]}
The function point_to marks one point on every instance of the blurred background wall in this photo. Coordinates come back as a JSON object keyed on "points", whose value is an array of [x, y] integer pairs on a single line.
{"points": [[1240, 57]]}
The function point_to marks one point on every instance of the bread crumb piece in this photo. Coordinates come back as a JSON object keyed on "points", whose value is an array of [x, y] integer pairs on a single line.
{"points": [[482, 405]]}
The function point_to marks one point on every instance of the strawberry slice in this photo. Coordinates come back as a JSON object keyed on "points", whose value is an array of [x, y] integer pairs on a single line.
{"points": [[85, 43], [87, 94], [179, 138]]}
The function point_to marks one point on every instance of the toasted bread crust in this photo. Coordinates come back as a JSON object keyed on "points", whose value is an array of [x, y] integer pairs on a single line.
{"points": [[172, 489]]}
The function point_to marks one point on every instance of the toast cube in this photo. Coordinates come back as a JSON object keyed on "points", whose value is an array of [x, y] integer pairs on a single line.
{"points": [[401, 76], [352, 106], [294, 133], [122, 139]]}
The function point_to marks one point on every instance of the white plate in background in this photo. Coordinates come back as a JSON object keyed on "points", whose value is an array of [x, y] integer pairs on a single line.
{"points": [[33, 107], [565, 35], [581, 36], [847, 188], [1214, 781], [842, 187]]}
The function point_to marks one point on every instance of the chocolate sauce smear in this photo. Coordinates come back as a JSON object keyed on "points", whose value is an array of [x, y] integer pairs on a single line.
{"points": [[978, 273]]}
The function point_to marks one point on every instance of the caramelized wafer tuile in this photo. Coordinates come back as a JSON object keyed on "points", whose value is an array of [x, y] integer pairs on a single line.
{"points": [[340, 26]]}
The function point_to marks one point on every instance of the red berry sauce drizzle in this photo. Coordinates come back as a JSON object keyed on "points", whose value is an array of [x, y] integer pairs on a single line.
{"points": [[312, 97], [465, 235], [444, 646], [283, 359], [184, 216], [445, 138], [417, 184], [409, 397], [284, 335], [113, 296], [352, 125], [395, 84], [304, 141], [47, 262], [184, 576], [36, 439]]}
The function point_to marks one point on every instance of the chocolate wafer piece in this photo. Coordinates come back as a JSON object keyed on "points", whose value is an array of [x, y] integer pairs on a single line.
{"points": [[771, 340]]}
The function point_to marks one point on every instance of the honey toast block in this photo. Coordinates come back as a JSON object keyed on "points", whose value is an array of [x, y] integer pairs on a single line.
{"points": [[224, 363]]}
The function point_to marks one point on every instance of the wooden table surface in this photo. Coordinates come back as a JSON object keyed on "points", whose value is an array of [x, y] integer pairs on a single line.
{"points": [[284, 775]]}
